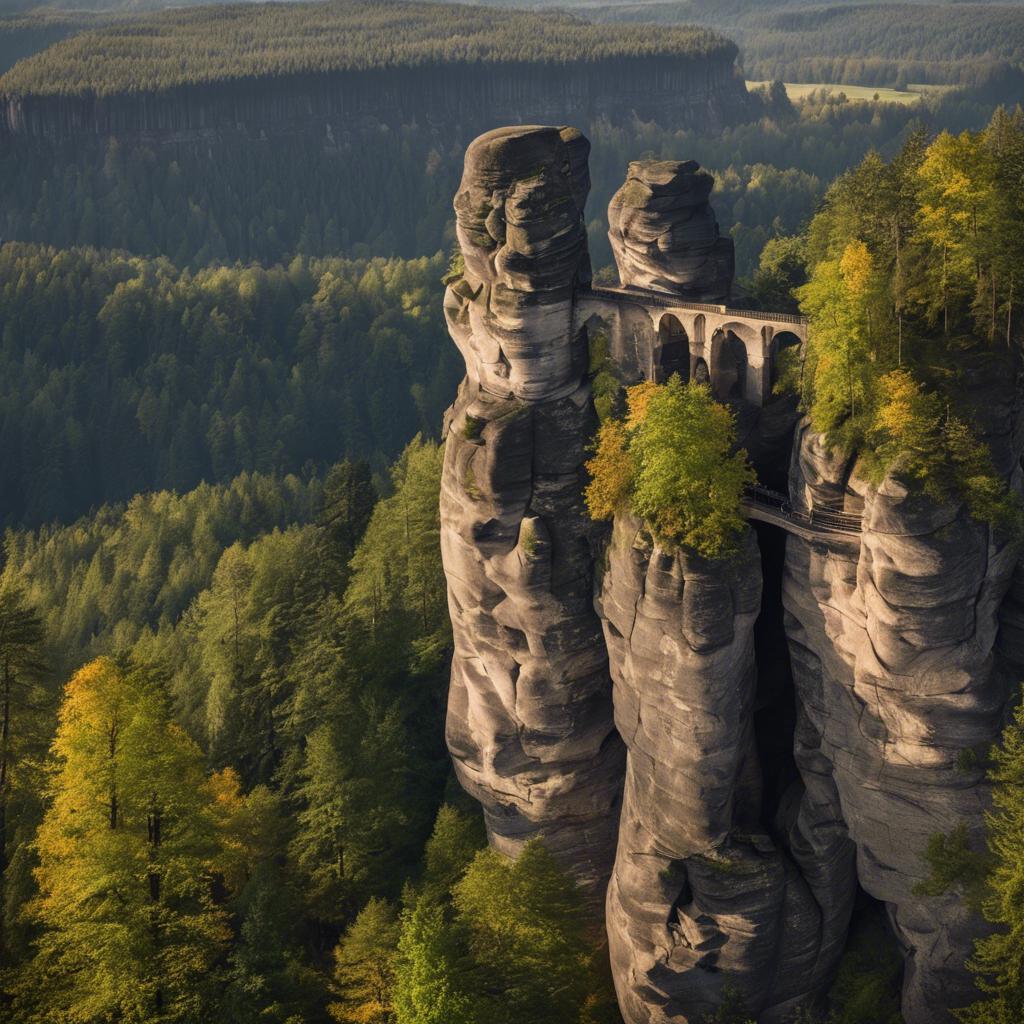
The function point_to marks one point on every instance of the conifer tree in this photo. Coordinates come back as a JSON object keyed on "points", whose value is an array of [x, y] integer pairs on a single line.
{"points": [[527, 937], [432, 969], [351, 828], [23, 703], [364, 966], [349, 497], [998, 961], [130, 930]]}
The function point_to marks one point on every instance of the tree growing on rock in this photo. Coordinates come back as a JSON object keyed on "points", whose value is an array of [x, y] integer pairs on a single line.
{"points": [[672, 463]]}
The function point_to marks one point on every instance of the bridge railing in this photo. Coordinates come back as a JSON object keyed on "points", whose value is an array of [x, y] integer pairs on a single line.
{"points": [[823, 519], [668, 300]]}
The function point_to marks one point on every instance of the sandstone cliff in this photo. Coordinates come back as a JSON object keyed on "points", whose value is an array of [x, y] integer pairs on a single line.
{"points": [[904, 658], [529, 715], [795, 720], [702, 896]]}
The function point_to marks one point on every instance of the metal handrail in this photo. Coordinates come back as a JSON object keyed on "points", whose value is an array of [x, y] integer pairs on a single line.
{"points": [[823, 519]]}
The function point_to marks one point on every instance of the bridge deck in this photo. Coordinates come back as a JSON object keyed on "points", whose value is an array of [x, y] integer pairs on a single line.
{"points": [[667, 299], [824, 525]]}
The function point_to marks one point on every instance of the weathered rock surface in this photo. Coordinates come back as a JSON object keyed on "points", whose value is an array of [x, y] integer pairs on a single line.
{"points": [[529, 717], [664, 234], [738, 852], [702, 897], [903, 660], [519, 222]]}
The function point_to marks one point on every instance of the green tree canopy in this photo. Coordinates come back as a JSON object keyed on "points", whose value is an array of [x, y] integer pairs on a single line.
{"points": [[671, 462], [125, 848], [998, 961]]}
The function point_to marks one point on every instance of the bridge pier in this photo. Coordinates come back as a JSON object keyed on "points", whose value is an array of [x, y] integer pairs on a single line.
{"points": [[737, 347]]}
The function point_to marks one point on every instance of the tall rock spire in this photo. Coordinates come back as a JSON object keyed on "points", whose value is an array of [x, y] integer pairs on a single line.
{"points": [[759, 789], [519, 222], [664, 234], [530, 714]]}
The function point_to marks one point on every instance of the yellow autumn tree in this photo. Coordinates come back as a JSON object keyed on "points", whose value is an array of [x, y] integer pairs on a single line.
{"points": [[671, 462], [845, 342], [611, 471], [956, 193], [130, 931]]}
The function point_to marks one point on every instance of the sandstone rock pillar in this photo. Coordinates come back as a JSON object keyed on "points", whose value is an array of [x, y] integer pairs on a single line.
{"points": [[702, 898], [904, 658], [664, 234], [530, 718]]}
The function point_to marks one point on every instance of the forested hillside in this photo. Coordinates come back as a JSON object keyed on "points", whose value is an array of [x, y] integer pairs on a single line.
{"points": [[853, 43], [123, 374], [345, 65], [21, 35], [235, 198], [279, 40], [279, 647], [866, 43], [274, 622], [878, 45]]}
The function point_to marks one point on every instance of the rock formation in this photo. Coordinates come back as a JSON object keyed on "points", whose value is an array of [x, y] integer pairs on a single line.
{"points": [[664, 234], [903, 674], [755, 798], [702, 897], [529, 715]]}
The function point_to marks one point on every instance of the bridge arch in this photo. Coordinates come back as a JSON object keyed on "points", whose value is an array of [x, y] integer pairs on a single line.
{"points": [[699, 327], [736, 348], [782, 341], [742, 372], [672, 353]]}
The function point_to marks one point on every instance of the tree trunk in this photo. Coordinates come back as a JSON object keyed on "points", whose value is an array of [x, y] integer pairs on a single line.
{"points": [[992, 324], [945, 300], [113, 785], [1009, 312]]}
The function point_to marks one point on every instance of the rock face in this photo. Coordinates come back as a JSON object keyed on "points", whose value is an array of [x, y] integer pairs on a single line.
{"points": [[702, 898], [758, 789], [904, 659], [530, 716], [664, 234]]}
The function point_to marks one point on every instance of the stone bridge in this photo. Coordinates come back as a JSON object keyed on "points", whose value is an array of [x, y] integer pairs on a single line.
{"points": [[653, 334]]}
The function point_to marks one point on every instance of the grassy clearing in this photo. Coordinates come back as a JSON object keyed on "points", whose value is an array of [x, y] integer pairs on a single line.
{"points": [[797, 91]]}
